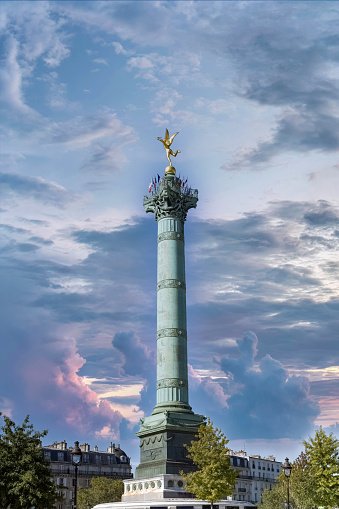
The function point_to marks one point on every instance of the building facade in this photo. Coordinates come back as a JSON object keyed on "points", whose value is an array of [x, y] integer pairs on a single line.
{"points": [[113, 464], [256, 474], [243, 484], [264, 472]]}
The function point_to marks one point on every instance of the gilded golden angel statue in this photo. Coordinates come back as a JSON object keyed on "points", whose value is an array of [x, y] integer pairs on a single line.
{"points": [[167, 144]]}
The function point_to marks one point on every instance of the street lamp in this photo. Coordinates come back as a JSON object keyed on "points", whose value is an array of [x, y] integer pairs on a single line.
{"points": [[76, 460], [287, 467]]}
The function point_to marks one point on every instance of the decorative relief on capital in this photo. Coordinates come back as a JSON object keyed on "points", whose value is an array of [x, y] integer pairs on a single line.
{"points": [[171, 283], [171, 200], [172, 333], [170, 236], [171, 382]]}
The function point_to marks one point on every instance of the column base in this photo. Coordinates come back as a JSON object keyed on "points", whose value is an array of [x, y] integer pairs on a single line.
{"points": [[162, 442]]}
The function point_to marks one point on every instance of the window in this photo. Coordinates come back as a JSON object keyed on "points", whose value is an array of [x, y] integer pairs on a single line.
{"points": [[85, 458], [97, 458], [47, 455], [60, 456]]}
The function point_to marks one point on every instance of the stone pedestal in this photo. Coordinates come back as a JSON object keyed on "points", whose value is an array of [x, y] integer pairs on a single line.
{"points": [[154, 488], [162, 443]]}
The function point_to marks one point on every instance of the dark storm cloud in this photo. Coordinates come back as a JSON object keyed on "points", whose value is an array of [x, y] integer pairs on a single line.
{"points": [[136, 356], [37, 188], [138, 360], [274, 392]]}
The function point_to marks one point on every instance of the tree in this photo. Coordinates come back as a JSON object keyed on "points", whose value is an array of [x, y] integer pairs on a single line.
{"points": [[322, 453], [102, 490], [302, 483], [314, 479], [25, 476], [274, 499], [300, 486], [214, 478]]}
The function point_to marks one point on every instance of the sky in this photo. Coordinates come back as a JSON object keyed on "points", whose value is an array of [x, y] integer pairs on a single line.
{"points": [[253, 88]]}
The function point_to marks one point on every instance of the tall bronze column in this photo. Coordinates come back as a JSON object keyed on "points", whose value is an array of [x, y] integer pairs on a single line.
{"points": [[172, 423]]}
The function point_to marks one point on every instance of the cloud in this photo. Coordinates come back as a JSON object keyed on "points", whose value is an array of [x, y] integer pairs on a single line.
{"points": [[106, 158], [322, 216], [139, 63], [102, 61], [11, 79], [292, 74], [82, 131], [280, 284], [136, 356], [46, 365], [40, 32], [37, 188], [215, 106], [297, 130], [119, 49], [57, 94], [6, 407], [275, 404], [31, 32]]}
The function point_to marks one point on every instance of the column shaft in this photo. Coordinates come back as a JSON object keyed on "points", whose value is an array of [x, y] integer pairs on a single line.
{"points": [[172, 376]]}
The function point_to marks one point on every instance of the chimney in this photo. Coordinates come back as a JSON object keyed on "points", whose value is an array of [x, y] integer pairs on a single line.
{"points": [[111, 448], [96, 448]]}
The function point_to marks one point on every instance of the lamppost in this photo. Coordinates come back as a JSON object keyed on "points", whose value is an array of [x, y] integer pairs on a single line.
{"points": [[287, 467], [76, 460]]}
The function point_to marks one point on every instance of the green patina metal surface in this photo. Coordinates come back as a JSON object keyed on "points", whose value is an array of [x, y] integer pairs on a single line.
{"points": [[172, 423]]}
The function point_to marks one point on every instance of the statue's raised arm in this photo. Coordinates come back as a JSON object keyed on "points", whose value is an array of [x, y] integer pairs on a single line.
{"points": [[167, 142]]}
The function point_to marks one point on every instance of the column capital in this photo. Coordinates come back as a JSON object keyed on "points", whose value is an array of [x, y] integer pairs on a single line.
{"points": [[171, 199]]}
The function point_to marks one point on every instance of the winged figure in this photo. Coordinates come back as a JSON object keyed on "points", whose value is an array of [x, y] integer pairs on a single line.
{"points": [[167, 144]]}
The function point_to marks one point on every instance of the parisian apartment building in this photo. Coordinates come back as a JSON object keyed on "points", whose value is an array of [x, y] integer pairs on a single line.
{"points": [[113, 464], [256, 474]]}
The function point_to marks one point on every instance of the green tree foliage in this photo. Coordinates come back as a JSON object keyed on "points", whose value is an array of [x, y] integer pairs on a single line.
{"points": [[25, 476], [322, 453], [102, 490], [314, 480], [300, 488], [274, 499], [214, 478], [301, 483]]}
